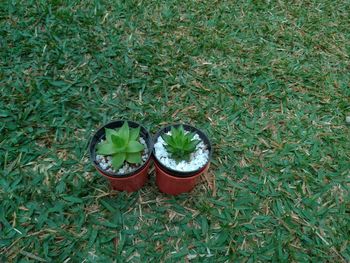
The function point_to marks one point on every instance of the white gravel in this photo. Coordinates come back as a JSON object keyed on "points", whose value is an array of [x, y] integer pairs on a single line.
{"points": [[105, 162], [197, 159]]}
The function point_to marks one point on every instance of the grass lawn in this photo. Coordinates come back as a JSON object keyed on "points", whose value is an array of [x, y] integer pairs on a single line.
{"points": [[267, 80]]}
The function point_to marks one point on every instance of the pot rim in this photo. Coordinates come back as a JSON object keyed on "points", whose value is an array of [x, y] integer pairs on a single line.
{"points": [[156, 164], [96, 138], [190, 128]]}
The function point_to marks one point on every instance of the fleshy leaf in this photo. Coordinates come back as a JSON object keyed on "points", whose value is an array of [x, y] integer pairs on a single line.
{"points": [[191, 145], [118, 160], [180, 144], [171, 150], [106, 148], [173, 132], [134, 146], [181, 130], [118, 142], [134, 134], [124, 132], [133, 157], [168, 139], [109, 133], [122, 144]]}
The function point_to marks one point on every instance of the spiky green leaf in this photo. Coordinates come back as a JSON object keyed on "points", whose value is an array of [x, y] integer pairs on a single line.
{"points": [[134, 146], [134, 134], [106, 148], [123, 132], [134, 157], [119, 142], [122, 144], [191, 146], [180, 144], [109, 133], [118, 160]]}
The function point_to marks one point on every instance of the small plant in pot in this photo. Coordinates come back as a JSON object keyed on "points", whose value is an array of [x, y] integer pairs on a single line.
{"points": [[121, 151], [181, 154]]}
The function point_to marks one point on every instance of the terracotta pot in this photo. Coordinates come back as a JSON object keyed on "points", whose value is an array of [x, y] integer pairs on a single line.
{"points": [[174, 182], [131, 181], [174, 185]]}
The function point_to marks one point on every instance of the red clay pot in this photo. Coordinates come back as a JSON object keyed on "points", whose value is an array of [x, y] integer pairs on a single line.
{"points": [[174, 185], [131, 181], [174, 182]]}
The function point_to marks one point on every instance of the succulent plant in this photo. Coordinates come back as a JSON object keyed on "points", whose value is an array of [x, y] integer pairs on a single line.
{"points": [[180, 144], [122, 144]]}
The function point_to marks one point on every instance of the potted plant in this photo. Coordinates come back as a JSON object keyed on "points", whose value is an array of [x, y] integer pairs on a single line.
{"points": [[121, 152], [181, 154]]}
